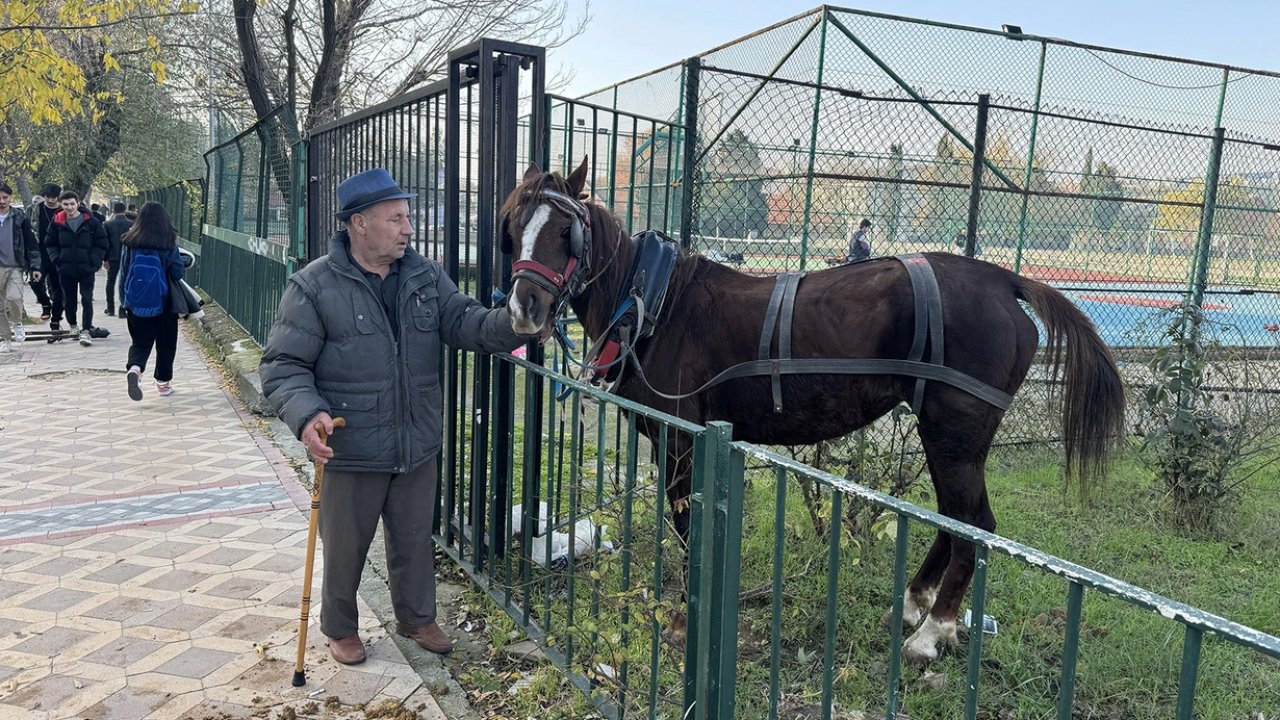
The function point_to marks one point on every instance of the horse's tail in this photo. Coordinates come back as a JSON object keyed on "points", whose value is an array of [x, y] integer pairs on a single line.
{"points": [[1093, 399]]}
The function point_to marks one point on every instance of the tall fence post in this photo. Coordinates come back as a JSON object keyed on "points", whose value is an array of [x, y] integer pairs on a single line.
{"points": [[298, 187], [813, 143], [711, 643], [1204, 241], [692, 75], [1031, 160], [975, 182]]}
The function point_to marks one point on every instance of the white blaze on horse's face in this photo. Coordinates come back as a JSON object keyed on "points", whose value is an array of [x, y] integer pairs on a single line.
{"points": [[520, 320], [529, 239]]}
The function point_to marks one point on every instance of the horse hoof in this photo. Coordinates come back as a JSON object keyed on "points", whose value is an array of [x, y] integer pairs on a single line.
{"points": [[918, 654], [923, 646]]}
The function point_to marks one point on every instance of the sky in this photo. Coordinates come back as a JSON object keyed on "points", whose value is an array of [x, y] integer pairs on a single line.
{"points": [[626, 38]]}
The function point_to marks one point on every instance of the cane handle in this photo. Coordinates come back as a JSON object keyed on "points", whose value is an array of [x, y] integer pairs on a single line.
{"points": [[324, 434]]}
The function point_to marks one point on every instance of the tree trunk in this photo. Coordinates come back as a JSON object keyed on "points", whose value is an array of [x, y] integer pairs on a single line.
{"points": [[282, 130]]}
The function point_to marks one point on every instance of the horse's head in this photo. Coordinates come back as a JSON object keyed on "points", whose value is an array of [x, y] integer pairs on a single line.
{"points": [[548, 230]]}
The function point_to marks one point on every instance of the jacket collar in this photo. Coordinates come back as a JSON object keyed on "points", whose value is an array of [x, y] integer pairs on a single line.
{"points": [[411, 264]]}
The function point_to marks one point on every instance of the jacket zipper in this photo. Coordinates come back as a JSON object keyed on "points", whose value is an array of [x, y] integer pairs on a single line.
{"points": [[402, 438]]}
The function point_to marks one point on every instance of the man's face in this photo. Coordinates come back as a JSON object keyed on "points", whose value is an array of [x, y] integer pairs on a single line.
{"points": [[5, 200], [51, 202], [71, 207], [382, 232]]}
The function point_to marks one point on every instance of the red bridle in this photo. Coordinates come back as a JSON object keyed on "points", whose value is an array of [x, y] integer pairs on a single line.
{"points": [[566, 283]]}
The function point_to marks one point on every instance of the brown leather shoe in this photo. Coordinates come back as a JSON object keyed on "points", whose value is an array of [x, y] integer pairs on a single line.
{"points": [[348, 650], [429, 637]]}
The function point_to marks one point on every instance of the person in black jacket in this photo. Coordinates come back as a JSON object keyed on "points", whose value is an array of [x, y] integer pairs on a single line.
{"points": [[48, 289], [116, 228], [77, 245], [18, 254]]}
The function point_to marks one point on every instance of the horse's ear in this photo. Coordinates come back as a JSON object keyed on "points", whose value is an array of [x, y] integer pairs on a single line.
{"points": [[533, 171], [578, 179]]}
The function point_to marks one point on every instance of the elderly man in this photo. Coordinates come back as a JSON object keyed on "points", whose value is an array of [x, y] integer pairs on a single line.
{"points": [[358, 335]]}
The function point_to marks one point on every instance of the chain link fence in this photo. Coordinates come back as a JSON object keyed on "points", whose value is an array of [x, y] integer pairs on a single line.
{"points": [[1093, 169]]}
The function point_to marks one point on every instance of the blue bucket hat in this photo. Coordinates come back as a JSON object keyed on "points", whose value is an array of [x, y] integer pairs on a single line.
{"points": [[365, 189]]}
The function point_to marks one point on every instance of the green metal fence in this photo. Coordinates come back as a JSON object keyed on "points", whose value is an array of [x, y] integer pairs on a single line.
{"points": [[596, 576], [184, 201]]}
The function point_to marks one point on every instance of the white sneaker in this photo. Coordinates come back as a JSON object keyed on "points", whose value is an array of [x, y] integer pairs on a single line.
{"points": [[5, 347], [85, 340], [20, 334], [164, 389]]}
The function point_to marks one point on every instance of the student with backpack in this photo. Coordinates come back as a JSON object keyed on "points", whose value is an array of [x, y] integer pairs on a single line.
{"points": [[149, 262]]}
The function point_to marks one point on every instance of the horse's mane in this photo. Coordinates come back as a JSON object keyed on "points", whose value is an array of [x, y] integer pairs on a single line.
{"points": [[526, 195]]}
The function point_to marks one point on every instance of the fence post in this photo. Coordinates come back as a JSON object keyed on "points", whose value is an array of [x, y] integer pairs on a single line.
{"points": [[813, 143], [1031, 158], [709, 653], [975, 182], [1200, 272], [692, 74], [298, 190], [727, 583]]}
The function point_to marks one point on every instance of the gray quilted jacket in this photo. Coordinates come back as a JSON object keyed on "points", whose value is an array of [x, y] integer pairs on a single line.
{"points": [[333, 349]]}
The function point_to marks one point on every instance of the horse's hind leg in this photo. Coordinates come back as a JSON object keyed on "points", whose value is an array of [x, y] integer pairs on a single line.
{"points": [[957, 462], [923, 588]]}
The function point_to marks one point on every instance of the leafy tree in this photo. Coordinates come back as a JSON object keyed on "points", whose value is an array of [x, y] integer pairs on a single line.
{"points": [[945, 207], [69, 68], [53, 55], [1103, 183], [1180, 217], [733, 201]]}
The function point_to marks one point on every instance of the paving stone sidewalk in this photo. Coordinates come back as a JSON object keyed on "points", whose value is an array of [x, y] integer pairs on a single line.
{"points": [[151, 553]]}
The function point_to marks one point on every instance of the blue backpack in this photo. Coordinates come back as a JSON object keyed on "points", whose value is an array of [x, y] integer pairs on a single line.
{"points": [[146, 290]]}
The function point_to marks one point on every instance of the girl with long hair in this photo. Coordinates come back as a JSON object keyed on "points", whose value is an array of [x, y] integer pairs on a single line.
{"points": [[149, 263]]}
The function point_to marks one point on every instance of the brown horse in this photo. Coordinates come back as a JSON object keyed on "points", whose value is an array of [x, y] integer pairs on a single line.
{"points": [[566, 250]]}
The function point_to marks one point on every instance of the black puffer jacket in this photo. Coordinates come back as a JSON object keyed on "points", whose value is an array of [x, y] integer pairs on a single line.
{"points": [[333, 349], [77, 253]]}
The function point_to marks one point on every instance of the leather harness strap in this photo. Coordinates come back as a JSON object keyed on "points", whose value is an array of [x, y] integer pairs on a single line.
{"points": [[782, 303], [851, 366], [928, 301], [929, 327]]}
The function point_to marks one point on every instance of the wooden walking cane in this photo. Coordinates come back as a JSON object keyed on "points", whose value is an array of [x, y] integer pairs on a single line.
{"points": [[299, 674]]}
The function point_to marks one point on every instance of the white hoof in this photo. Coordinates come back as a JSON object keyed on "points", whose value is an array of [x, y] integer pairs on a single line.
{"points": [[924, 645]]}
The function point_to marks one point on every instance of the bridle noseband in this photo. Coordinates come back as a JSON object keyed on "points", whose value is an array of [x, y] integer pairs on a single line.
{"points": [[569, 283]]}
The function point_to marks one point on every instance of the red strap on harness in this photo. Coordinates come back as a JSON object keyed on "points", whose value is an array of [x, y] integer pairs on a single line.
{"points": [[608, 354], [537, 268]]}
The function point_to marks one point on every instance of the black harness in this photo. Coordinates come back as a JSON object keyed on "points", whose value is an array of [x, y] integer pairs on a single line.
{"points": [[928, 314], [639, 305]]}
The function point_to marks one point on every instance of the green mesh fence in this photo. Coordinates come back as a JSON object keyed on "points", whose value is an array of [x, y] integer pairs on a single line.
{"points": [[1092, 177]]}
